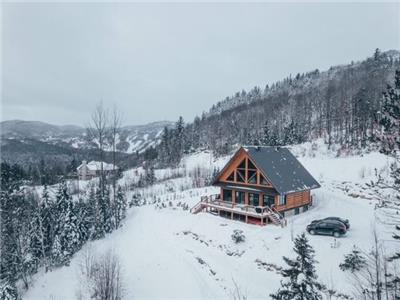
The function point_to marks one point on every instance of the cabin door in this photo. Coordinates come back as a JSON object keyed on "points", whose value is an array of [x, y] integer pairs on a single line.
{"points": [[253, 199]]}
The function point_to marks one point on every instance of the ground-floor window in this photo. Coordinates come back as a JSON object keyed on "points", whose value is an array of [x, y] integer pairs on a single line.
{"points": [[268, 200], [297, 210], [305, 207], [254, 199], [240, 197], [227, 195]]}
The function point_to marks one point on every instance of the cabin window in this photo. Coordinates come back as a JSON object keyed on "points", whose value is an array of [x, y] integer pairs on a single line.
{"points": [[296, 211], [227, 195], [282, 200], [251, 165], [254, 199], [263, 181], [231, 177], [240, 197], [252, 176], [240, 175], [268, 200], [242, 164]]}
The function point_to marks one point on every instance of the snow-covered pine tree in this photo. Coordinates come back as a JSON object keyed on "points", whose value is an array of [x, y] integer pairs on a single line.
{"points": [[390, 139], [390, 117], [178, 141], [57, 254], [106, 210], [290, 135], [353, 261], [8, 291], [70, 238], [120, 207], [91, 211], [150, 175], [82, 212], [62, 199], [98, 217], [47, 208], [300, 276]]}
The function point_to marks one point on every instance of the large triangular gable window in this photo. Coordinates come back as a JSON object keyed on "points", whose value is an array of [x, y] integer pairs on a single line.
{"points": [[263, 180], [241, 171], [231, 177]]}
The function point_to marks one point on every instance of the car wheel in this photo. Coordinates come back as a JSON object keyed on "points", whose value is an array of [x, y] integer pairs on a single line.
{"points": [[312, 231], [336, 234]]}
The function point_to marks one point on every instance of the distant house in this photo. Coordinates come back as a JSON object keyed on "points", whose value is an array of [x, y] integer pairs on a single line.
{"points": [[92, 169], [261, 185]]}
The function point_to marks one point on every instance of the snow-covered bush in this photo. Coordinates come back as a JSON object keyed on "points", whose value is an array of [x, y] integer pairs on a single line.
{"points": [[238, 236]]}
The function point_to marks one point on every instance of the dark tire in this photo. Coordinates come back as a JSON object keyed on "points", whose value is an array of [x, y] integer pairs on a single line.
{"points": [[312, 232], [336, 234]]}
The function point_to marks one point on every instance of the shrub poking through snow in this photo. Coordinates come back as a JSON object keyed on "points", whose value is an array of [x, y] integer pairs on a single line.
{"points": [[238, 236]]}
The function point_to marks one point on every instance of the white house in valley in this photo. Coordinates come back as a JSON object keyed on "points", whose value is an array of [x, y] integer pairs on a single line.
{"points": [[87, 171]]}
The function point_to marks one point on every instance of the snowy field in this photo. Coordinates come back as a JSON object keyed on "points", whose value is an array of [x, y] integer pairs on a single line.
{"points": [[168, 253]]}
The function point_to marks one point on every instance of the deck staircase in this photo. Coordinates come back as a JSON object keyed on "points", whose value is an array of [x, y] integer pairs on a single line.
{"points": [[276, 217], [197, 208]]}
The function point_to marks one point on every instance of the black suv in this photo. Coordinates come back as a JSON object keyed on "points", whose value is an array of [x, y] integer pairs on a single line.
{"points": [[327, 227], [344, 221]]}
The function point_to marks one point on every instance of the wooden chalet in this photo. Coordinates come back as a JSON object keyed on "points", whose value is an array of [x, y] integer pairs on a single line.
{"points": [[260, 185]]}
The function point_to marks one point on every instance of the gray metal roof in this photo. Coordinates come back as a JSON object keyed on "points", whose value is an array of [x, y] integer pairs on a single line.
{"points": [[282, 168]]}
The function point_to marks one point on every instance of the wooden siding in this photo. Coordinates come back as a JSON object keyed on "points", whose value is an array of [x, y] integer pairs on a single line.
{"points": [[294, 200]]}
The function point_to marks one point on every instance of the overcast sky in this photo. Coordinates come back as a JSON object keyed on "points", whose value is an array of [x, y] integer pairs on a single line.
{"points": [[159, 61]]}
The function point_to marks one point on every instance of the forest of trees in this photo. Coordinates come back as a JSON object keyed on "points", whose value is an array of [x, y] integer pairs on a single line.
{"points": [[45, 231], [341, 105]]}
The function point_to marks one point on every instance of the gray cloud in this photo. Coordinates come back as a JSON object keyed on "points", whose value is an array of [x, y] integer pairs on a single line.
{"points": [[159, 61]]}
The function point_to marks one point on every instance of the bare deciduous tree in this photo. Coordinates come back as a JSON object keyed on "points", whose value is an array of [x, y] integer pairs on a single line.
{"points": [[101, 276], [97, 133], [114, 130]]}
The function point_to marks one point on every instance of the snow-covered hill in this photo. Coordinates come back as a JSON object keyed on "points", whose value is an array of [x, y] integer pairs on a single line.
{"points": [[166, 252]]}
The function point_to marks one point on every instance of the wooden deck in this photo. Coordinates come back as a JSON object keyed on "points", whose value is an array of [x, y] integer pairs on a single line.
{"points": [[212, 203]]}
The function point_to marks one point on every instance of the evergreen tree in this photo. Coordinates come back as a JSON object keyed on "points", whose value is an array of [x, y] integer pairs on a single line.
{"points": [[92, 212], [353, 261], [150, 176], [390, 117], [62, 199], [301, 278], [106, 210], [57, 254], [120, 207], [390, 138], [69, 233], [8, 291], [290, 134], [98, 218], [178, 141]]}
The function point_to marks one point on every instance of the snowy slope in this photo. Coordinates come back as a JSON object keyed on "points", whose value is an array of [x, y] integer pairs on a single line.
{"points": [[169, 253]]}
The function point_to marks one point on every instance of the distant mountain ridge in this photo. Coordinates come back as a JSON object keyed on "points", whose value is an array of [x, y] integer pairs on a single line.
{"points": [[132, 138]]}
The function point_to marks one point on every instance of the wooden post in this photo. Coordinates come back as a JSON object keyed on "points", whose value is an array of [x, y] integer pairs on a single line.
{"points": [[246, 218], [231, 215], [262, 221]]}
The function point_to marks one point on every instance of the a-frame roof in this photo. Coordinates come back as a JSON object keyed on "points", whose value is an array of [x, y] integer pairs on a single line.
{"points": [[286, 173]]}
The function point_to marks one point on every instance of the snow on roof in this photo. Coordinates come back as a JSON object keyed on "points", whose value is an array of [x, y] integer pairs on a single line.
{"points": [[96, 166]]}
